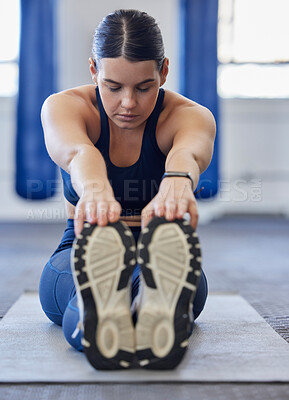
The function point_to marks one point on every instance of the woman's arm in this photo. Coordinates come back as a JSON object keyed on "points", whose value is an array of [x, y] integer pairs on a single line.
{"points": [[194, 133], [66, 136]]}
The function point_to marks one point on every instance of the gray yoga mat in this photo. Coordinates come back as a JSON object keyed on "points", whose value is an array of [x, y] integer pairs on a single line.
{"points": [[230, 343]]}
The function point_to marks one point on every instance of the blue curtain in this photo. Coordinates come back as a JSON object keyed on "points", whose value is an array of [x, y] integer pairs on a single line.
{"points": [[35, 171], [198, 70]]}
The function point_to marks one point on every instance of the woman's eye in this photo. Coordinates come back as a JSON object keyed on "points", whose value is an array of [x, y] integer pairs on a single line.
{"points": [[142, 90], [113, 89]]}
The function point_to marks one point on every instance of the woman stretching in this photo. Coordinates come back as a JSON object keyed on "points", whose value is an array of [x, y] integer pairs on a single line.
{"points": [[126, 282]]}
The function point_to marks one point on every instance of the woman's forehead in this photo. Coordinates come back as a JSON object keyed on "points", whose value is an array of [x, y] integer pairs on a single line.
{"points": [[120, 69]]}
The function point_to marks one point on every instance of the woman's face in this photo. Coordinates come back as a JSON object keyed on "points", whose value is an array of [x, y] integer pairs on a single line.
{"points": [[129, 90]]}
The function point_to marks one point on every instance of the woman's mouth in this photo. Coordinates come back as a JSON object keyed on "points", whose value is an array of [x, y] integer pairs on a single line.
{"points": [[126, 117]]}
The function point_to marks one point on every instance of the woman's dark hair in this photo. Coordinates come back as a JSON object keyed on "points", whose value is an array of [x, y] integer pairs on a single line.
{"points": [[132, 34]]}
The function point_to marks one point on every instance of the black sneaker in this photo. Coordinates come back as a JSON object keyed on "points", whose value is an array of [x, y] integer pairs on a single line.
{"points": [[170, 258], [102, 263]]}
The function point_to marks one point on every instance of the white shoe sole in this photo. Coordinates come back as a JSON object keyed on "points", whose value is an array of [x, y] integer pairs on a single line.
{"points": [[102, 262], [170, 258]]}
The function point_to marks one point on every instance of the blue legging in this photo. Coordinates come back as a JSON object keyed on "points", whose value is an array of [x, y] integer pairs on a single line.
{"points": [[58, 295]]}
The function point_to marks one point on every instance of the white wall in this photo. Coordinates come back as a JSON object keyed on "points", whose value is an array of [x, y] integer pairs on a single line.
{"points": [[254, 133], [78, 20], [254, 158], [13, 207]]}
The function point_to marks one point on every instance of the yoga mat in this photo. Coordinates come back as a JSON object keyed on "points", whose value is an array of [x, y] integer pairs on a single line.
{"points": [[231, 342]]}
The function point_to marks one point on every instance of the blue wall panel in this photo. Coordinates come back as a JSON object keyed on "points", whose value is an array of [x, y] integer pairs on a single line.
{"points": [[198, 70], [35, 171]]}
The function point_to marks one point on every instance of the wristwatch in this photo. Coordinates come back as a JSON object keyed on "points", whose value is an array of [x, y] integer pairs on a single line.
{"points": [[179, 174]]}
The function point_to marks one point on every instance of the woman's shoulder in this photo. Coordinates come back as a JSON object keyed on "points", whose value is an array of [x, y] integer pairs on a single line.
{"points": [[79, 95], [78, 105], [174, 101], [79, 101], [177, 106], [181, 114]]}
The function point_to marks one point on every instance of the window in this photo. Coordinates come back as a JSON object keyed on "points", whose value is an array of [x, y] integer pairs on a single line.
{"points": [[253, 48], [9, 46]]}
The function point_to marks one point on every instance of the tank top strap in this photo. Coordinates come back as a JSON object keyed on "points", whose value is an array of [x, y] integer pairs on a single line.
{"points": [[151, 125], [153, 118], [103, 141]]}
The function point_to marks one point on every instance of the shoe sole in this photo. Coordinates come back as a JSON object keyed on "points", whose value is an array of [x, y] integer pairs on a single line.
{"points": [[170, 257], [103, 261]]}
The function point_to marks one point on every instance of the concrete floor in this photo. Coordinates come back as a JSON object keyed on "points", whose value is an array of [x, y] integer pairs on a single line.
{"points": [[247, 254]]}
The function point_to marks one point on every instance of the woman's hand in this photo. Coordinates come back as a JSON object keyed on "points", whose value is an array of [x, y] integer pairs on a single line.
{"points": [[175, 198], [96, 207]]}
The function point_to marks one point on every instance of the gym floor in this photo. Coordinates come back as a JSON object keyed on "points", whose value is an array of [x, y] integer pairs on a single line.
{"points": [[245, 254]]}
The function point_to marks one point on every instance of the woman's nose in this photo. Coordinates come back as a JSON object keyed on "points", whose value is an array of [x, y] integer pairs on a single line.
{"points": [[128, 101]]}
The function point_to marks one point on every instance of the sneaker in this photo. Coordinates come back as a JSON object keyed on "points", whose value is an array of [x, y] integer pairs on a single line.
{"points": [[170, 258], [102, 262]]}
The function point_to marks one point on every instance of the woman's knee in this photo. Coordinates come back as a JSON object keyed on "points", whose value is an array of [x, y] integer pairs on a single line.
{"points": [[56, 286], [69, 325], [201, 296]]}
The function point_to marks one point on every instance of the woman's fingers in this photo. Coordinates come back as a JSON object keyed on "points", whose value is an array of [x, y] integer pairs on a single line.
{"points": [[194, 215], [159, 208], [174, 209], [171, 208], [182, 208], [147, 214], [100, 213], [114, 211], [108, 212], [78, 219], [91, 212]]}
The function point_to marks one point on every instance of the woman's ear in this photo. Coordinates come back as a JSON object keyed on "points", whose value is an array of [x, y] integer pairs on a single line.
{"points": [[165, 71], [93, 70]]}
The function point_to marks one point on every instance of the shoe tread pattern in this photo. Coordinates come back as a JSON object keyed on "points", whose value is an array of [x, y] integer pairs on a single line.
{"points": [[171, 267], [104, 260]]}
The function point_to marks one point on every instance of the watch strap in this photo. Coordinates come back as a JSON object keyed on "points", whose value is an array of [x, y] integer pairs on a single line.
{"points": [[180, 174]]}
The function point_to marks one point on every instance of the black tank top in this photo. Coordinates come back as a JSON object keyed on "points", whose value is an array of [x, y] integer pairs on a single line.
{"points": [[136, 185]]}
